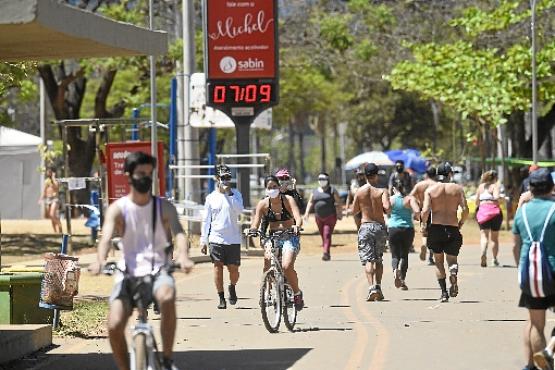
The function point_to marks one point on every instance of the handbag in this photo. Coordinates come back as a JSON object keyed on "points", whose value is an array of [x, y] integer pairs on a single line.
{"points": [[535, 274], [487, 211]]}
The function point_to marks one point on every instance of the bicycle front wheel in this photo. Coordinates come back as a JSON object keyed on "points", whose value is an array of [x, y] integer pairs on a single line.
{"points": [[270, 301], [139, 350], [289, 310]]}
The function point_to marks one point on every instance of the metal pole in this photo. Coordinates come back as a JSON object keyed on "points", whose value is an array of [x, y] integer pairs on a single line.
{"points": [[342, 129], [68, 246], [153, 118], [534, 86], [43, 136], [135, 128], [211, 158], [173, 126]]}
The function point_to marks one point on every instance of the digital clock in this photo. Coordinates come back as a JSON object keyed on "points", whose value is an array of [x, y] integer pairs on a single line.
{"points": [[241, 94]]}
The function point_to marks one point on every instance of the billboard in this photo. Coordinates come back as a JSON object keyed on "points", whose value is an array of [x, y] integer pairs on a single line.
{"points": [[115, 160], [241, 39]]}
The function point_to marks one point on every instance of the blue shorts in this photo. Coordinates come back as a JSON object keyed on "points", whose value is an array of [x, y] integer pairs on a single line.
{"points": [[289, 243]]}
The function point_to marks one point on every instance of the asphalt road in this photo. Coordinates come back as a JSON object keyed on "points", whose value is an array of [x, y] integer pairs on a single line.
{"points": [[338, 329]]}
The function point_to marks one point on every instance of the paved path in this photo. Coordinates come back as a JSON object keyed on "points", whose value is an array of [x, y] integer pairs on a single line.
{"points": [[338, 329]]}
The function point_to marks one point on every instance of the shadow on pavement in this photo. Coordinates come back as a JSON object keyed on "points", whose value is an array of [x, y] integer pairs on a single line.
{"points": [[246, 359]]}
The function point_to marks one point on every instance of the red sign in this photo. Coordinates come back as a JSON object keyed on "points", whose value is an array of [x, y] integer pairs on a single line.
{"points": [[116, 153], [241, 39]]}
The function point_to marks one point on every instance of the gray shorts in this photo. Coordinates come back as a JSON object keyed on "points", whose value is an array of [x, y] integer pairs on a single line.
{"points": [[371, 242], [120, 291]]}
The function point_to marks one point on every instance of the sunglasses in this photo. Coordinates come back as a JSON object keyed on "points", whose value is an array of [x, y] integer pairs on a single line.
{"points": [[226, 177], [283, 178]]}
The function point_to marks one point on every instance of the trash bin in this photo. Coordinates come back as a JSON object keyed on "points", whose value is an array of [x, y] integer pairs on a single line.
{"points": [[19, 299]]}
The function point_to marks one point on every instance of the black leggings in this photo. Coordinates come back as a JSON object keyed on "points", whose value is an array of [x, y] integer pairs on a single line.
{"points": [[400, 241]]}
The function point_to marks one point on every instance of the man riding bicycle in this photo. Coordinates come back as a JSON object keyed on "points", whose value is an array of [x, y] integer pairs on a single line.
{"points": [[282, 213], [145, 224]]}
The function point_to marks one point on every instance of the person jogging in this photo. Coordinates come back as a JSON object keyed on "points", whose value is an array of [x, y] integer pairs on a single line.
{"points": [[222, 234], [401, 232], [441, 202], [418, 194], [489, 216], [371, 203], [146, 225]]}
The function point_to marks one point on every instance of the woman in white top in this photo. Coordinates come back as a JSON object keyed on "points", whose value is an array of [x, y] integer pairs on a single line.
{"points": [[489, 215]]}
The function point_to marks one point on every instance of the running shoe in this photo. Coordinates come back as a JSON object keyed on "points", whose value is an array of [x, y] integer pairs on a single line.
{"points": [[484, 261], [543, 360], [444, 297], [495, 262], [373, 294], [326, 257], [232, 295], [169, 365], [423, 251], [404, 286], [380, 294], [299, 301], [397, 277], [222, 305]]}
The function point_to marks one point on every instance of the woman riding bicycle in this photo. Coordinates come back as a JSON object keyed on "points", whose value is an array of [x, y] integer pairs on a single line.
{"points": [[281, 213]]}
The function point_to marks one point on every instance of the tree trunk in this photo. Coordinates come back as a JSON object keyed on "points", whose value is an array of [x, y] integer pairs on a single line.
{"points": [[301, 157], [322, 128], [291, 149], [435, 116]]}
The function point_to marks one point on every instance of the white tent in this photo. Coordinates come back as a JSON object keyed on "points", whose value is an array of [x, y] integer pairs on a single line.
{"points": [[19, 170]]}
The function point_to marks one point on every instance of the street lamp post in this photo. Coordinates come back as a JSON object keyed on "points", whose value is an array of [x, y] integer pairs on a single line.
{"points": [[153, 118], [534, 85]]}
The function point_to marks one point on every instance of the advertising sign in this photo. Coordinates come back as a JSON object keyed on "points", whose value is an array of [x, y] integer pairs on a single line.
{"points": [[115, 160], [242, 64], [241, 42]]}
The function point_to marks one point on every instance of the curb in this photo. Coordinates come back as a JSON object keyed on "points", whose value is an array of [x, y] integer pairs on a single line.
{"points": [[18, 341]]}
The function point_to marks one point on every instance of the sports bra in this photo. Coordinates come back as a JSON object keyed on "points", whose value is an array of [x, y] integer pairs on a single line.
{"points": [[271, 216], [486, 195]]}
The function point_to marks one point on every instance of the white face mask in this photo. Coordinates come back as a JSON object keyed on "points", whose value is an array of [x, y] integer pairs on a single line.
{"points": [[272, 193], [225, 184], [323, 183]]}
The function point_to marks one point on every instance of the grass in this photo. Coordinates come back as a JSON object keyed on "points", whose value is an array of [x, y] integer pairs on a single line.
{"points": [[87, 320]]}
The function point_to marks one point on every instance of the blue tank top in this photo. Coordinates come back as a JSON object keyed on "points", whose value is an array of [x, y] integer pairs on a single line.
{"points": [[401, 217]]}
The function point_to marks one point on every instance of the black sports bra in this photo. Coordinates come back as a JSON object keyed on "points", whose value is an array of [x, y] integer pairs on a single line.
{"points": [[271, 216]]}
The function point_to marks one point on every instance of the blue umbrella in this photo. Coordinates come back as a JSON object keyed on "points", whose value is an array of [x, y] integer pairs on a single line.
{"points": [[411, 157]]}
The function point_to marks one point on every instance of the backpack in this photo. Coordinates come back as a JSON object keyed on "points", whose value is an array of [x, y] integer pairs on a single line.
{"points": [[535, 275]]}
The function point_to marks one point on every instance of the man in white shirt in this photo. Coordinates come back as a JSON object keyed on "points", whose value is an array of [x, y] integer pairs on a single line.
{"points": [[222, 233]]}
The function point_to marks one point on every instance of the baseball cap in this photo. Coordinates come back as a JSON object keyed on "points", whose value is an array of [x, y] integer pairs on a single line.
{"points": [[222, 170], [431, 171], [371, 169], [541, 177], [444, 169]]}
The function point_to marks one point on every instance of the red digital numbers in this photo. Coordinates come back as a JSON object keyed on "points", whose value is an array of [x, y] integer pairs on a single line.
{"points": [[242, 93]]}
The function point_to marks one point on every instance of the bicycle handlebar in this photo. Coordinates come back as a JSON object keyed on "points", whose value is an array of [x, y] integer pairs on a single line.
{"points": [[111, 267], [274, 234]]}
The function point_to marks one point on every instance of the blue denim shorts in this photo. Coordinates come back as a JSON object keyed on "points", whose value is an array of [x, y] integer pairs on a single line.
{"points": [[289, 243]]}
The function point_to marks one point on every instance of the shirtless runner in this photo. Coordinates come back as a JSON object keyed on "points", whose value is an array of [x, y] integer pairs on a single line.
{"points": [[418, 194], [441, 202], [371, 203]]}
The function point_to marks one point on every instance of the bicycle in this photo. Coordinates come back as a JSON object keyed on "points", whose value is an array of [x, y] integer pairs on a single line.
{"points": [[276, 295], [144, 354]]}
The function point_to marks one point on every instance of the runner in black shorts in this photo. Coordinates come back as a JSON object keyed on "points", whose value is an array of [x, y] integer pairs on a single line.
{"points": [[441, 203]]}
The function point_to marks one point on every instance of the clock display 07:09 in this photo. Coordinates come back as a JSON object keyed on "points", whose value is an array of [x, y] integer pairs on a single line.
{"points": [[251, 93]]}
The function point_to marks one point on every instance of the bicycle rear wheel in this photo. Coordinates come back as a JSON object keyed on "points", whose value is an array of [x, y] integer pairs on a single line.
{"points": [[140, 355], [289, 310], [270, 301]]}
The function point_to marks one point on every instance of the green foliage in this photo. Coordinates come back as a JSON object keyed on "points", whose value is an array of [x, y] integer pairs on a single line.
{"points": [[13, 75], [87, 319]]}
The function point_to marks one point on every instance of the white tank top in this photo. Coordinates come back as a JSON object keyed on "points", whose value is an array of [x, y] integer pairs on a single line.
{"points": [[139, 257]]}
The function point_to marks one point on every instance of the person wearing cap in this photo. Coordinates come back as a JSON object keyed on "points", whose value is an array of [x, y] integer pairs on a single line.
{"points": [[441, 203], [287, 187], [327, 210], [222, 234], [530, 220], [418, 194], [371, 204], [489, 215], [401, 176]]}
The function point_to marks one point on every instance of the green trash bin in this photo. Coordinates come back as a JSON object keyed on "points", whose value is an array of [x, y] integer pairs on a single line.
{"points": [[19, 299]]}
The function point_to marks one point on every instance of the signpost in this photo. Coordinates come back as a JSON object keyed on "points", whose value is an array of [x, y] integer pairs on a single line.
{"points": [[241, 65]]}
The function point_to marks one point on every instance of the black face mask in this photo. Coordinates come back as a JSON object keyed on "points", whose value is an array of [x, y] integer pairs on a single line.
{"points": [[143, 184], [400, 169]]}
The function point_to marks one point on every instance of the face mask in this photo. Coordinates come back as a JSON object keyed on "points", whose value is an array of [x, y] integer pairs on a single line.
{"points": [[323, 183], [272, 193], [142, 185], [225, 184], [400, 169]]}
